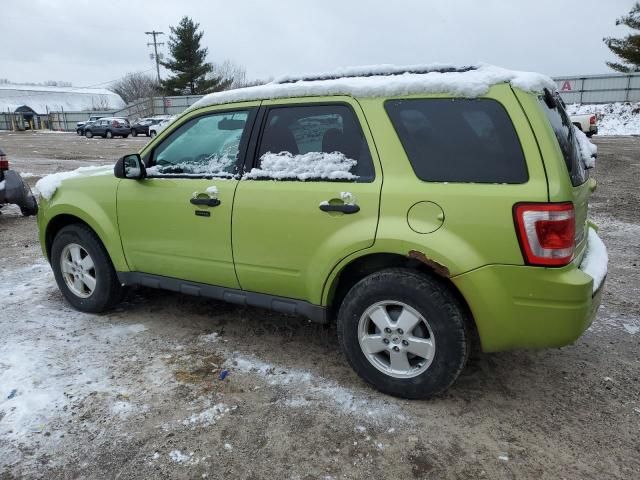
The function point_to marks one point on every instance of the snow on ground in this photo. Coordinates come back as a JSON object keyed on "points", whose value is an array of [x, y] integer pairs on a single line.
{"points": [[386, 81], [305, 389], [284, 165], [613, 118], [48, 185]]}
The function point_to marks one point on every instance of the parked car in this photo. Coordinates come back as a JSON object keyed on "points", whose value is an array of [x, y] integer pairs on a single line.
{"points": [[109, 127], [158, 127], [417, 219], [13, 189], [81, 130], [588, 124], [80, 125], [141, 127]]}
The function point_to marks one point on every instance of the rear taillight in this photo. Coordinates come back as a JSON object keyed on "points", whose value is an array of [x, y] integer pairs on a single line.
{"points": [[592, 120], [546, 232], [4, 162]]}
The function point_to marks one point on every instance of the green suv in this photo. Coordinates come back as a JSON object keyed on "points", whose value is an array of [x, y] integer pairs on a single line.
{"points": [[422, 209]]}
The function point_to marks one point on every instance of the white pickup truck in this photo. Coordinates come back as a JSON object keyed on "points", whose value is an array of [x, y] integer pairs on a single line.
{"points": [[586, 123]]}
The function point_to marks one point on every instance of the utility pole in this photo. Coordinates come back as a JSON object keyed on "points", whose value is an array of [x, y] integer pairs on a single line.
{"points": [[155, 49]]}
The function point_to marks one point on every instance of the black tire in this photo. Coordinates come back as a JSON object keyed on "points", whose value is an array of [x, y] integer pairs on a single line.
{"points": [[153, 133], [134, 133], [88, 134], [590, 134], [108, 291], [108, 134], [438, 306], [125, 136]]}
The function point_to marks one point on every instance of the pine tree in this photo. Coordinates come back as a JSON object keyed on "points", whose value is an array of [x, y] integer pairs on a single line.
{"points": [[627, 48], [192, 73]]}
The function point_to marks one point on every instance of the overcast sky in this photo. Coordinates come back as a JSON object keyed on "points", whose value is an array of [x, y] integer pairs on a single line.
{"points": [[90, 43]]}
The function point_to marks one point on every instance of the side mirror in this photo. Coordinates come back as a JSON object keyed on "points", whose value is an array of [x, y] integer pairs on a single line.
{"points": [[130, 166]]}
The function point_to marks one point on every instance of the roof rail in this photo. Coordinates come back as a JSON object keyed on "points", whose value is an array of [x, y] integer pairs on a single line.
{"points": [[381, 72]]}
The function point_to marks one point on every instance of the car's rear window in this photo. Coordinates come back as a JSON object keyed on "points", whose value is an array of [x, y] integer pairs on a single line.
{"points": [[459, 140], [563, 129]]}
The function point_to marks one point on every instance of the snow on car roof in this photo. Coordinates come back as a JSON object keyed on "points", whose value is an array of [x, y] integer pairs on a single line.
{"points": [[386, 81]]}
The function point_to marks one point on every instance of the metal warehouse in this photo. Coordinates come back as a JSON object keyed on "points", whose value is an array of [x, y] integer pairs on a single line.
{"points": [[29, 106]]}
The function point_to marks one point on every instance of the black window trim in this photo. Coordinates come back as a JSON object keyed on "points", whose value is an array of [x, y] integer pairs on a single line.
{"points": [[524, 157], [251, 159], [242, 149]]}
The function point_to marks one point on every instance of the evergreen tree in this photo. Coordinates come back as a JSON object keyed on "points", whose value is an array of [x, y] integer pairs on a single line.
{"points": [[627, 48], [192, 73]]}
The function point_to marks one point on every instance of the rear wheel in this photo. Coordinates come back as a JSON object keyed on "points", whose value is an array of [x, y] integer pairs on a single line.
{"points": [[153, 133], [404, 333], [125, 136], [134, 133], [108, 134], [83, 270]]}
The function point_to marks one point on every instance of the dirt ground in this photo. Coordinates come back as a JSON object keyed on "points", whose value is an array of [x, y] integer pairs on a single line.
{"points": [[137, 393]]}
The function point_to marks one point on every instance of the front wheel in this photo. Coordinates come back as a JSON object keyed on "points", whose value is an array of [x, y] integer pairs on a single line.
{"points": [[134, 133], [88, 134], [108, 134], [153, 133], [83, 270], [125, 136], [404, 333]]}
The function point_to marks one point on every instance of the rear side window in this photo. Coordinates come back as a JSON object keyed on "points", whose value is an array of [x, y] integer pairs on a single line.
{"points": [[459, 140], [563, 130], [313, 143]]}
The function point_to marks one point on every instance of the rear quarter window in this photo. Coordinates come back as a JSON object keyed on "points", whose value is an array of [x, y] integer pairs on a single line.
{"points": [[563, 130], [459, 140]]}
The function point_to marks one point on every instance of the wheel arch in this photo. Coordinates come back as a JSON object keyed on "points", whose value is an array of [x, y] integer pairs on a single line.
{"points": [[61, 220], [358, 268]]}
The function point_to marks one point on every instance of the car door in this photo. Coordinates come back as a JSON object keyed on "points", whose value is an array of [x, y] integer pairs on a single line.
{"points": [[99, 127], [177, 221], [288, 234]]}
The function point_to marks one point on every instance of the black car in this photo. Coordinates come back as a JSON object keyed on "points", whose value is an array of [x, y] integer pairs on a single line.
{"points": [[13, 189], [141, 127], [108, 128]]}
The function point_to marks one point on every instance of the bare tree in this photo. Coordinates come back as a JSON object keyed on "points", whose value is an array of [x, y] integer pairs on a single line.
{"points": [[235, 73], [136, 85]]}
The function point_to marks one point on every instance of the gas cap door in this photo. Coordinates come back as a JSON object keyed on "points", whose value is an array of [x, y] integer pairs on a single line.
{"points": [[425, 217]]}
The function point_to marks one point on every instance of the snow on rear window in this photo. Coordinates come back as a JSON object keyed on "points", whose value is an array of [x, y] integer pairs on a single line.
{"points": [[308, 166]]}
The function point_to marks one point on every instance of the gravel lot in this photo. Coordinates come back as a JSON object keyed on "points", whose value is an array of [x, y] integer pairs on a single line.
{"points": [[136, 393]]}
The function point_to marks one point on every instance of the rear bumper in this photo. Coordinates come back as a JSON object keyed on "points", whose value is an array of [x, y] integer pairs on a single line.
{"points": [[530, 307]]}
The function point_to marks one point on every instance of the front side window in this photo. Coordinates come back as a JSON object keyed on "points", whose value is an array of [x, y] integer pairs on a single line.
{"points": [[459, 140], [315, 142], [204, 146]]}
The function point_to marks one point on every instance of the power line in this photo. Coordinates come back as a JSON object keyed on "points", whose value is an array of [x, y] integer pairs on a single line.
{"points": [[155, 48]]}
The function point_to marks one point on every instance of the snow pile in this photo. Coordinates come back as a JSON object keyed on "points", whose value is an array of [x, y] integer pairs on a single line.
{"points": [[595, 259], [48, 185], [179, 457], [587, 149], [386, 81], [613, 118], [316, 165]]}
